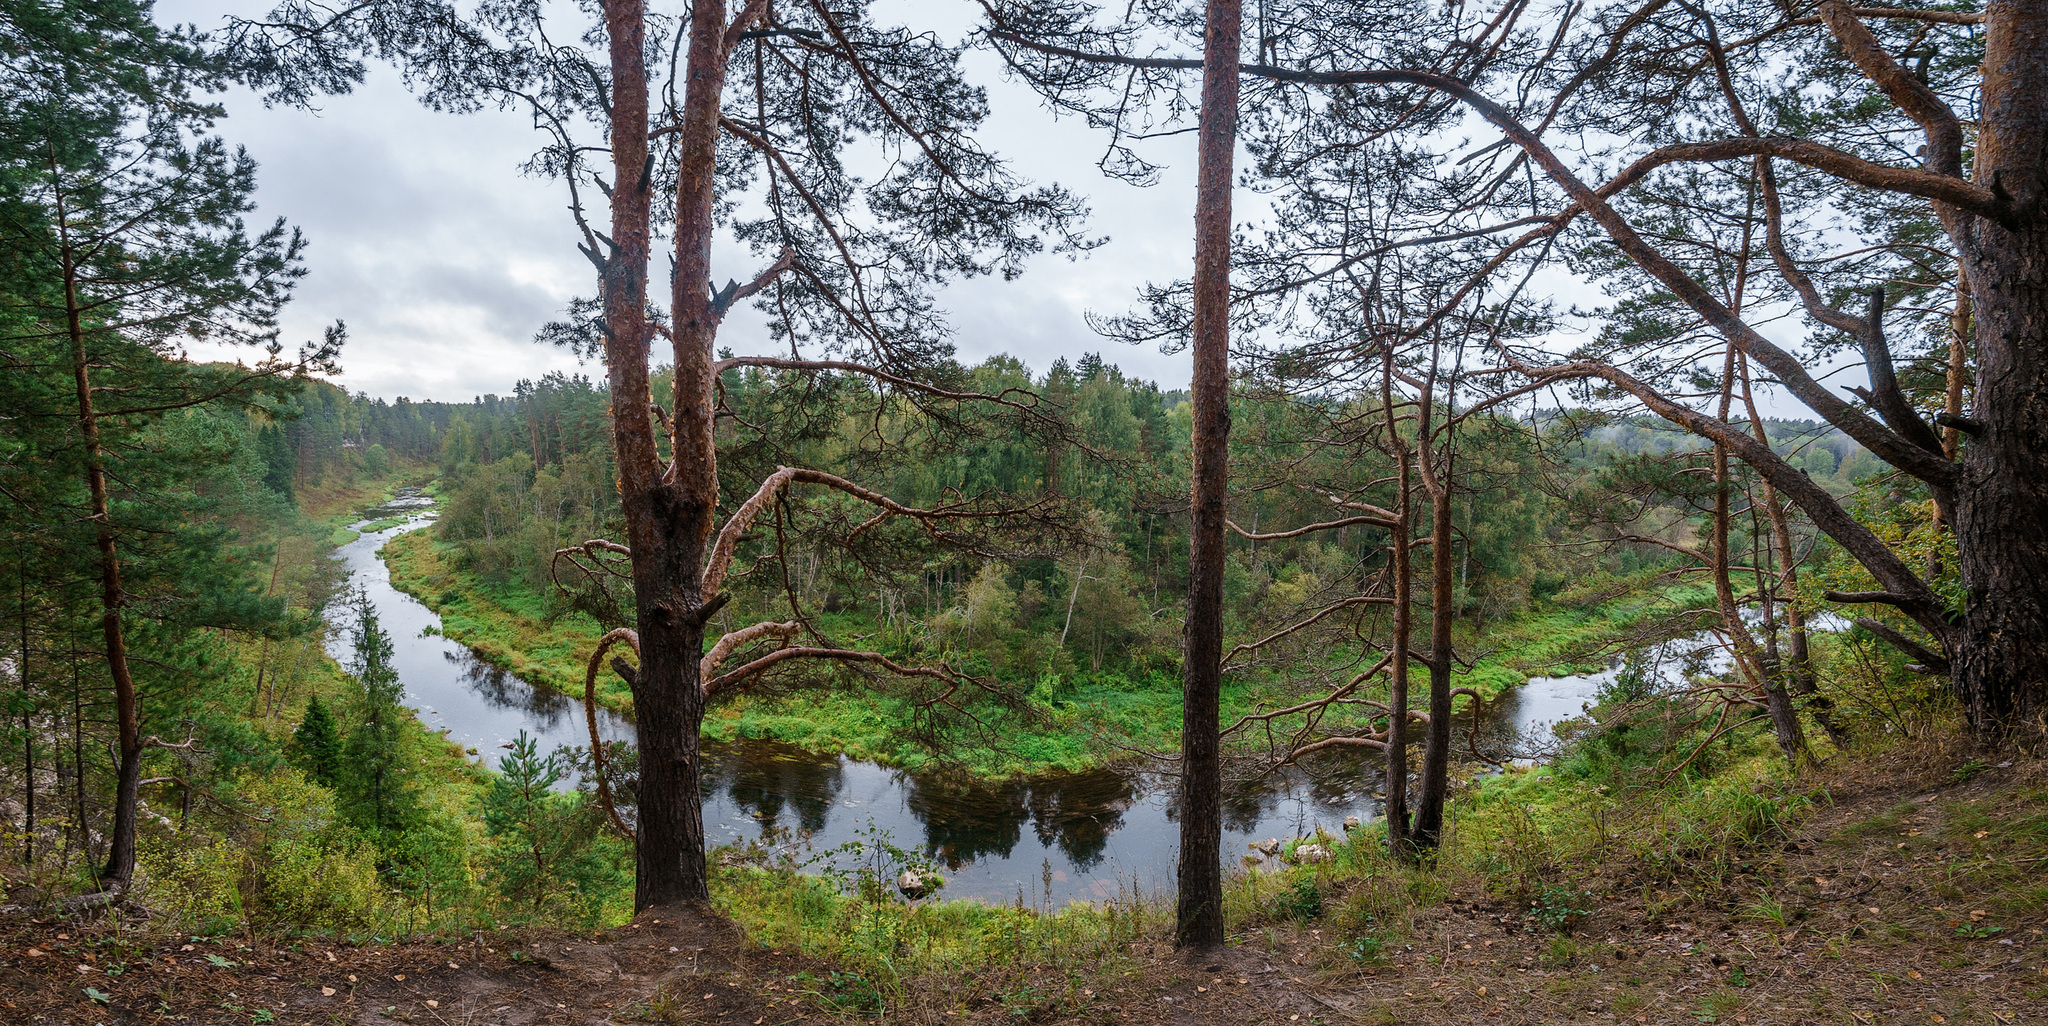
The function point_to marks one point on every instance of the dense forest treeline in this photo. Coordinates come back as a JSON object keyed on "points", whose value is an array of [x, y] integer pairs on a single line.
{"points": [[1106, 601]]}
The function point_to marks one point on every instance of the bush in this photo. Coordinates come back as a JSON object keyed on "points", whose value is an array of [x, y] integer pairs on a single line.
{"points": [[1302, 902], [193, 884]]}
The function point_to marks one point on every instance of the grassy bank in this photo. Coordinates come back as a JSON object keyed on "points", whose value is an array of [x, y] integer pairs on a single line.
{"points": [[1070, 724], [1898, 883], [272, 849]]}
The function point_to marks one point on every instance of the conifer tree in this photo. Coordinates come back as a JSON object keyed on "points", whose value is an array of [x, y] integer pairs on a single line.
{"points": [[122, 221], [316, 744], [379, 787]]}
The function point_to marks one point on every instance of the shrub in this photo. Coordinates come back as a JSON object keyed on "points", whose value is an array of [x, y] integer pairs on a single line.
{"points": [[1301, 902]]}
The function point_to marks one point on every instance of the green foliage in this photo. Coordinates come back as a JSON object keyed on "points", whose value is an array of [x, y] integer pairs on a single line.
{"points": [[548, 858], [378, 787], [1560, 909], [316, 745], [1302, 902]]}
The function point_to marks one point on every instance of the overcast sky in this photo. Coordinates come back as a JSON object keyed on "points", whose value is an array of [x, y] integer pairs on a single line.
{"points": [[443, 259]]}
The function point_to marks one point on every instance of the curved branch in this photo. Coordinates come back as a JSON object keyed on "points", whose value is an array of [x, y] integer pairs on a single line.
{"points": [[1887, 444], [604, 790], [728, 538], [782, 655], [1925, 607], [1934, 661], [731, 642], [1329, 525], [1916, 98], [784, 363], [1356, 600]]}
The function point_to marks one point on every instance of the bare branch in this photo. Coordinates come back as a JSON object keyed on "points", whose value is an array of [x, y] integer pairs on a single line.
{"points": [[1355, 600], [731, 642], [782, 655], [631, 639], [1329, 525]]}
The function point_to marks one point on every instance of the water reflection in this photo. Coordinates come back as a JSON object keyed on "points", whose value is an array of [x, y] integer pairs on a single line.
{"points": [[498, 689], [764, 780]]}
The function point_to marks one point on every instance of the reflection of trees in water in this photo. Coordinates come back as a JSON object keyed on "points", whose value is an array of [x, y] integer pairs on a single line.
{"points": [[1078, 811], [766, 779], [501, 690], [1330, 781], [967, 819]]}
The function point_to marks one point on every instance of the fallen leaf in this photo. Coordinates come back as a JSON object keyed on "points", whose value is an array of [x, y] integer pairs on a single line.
{"points": [[401, 976], [327, 992], [1914, 973], [1482, 992], [1981, 834], [1201, 990], [36, 953], [433, 1004], [452, 965], [1872, 912]]}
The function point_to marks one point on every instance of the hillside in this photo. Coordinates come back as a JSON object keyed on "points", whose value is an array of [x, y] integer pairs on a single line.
{"points": [[1908, 890]]}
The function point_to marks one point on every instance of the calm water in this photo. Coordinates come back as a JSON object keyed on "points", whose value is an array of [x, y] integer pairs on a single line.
{"points": [[1051, 838]]}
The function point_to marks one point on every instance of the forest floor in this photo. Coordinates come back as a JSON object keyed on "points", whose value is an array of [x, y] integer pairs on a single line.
{"points": [[1913, 893]]}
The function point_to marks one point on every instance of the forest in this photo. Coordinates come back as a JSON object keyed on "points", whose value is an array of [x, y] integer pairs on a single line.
{"points": [[1450, 647]]}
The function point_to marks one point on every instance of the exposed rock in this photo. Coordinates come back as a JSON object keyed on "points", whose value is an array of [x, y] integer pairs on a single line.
{"points": [[1310, 854], [1270, 846], [915, 885], [1353, 822]]}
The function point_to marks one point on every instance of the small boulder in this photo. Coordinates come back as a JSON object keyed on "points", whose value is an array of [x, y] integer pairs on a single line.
{"points": [[1310, 854], [1353, 822], [1269, 847], [915, 885]]}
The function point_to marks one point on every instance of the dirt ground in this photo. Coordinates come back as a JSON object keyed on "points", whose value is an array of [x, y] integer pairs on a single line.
{"points": [[1885, 905]]}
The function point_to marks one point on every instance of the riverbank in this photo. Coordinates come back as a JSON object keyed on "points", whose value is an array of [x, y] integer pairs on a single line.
{"points": [[1095, 720], [275, 847], [1897, 884]]}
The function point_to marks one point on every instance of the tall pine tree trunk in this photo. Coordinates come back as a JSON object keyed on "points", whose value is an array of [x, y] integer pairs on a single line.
{"points": [[1403, 542], [1427, 831], [2001, 509], [1199, 923], [120, 865]]}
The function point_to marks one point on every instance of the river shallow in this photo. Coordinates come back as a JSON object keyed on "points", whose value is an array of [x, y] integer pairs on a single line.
{"points": [[1048, 839]]}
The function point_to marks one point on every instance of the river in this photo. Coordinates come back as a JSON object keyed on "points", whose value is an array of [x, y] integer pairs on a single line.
{"points": [[1045, 840]]}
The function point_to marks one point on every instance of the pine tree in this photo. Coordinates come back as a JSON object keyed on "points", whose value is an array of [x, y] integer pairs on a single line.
{"points": [[121, 221], [547, 846], [316, 744], [377, 782]]}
